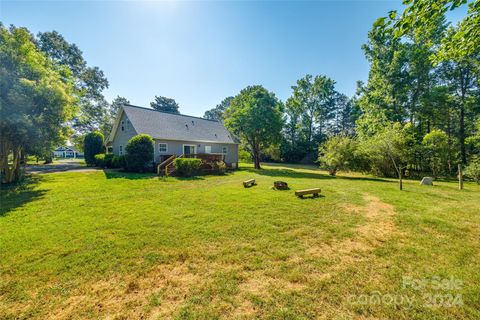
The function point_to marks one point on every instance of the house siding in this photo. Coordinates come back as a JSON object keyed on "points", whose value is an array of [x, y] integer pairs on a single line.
{"points": [[175, 147], [121, 137]]}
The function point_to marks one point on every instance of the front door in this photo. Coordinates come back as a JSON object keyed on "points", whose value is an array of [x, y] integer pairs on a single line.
{"points": [[188, 149]]}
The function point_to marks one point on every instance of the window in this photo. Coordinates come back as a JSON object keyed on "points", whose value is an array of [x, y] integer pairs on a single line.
{"points": [[121, 150], [162, 147], [208, 149], [123, 125], [224, 150]]}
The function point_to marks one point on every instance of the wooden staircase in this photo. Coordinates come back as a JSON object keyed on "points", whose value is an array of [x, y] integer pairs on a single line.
{"points": [[166, 167]]}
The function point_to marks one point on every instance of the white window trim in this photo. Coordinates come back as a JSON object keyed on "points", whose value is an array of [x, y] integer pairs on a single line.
{"points": [[210, 147], [166, 147]]}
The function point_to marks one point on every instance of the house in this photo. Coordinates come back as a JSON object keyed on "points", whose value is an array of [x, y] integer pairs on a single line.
{"points": [[174, 135], [66, 152]]}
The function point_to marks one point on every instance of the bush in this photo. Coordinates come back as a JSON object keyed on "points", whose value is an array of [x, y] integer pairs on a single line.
{"points": [[220, 167], [100, 160], [109, 160], [338, 153], [139, 155], [437, 151], [187, 167], [244, 155], [92, 145], [473, 169], [388, 151], [118, 162]]}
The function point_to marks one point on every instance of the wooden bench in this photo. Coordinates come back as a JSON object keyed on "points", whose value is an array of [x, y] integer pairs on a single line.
{"points": [[249, 183], [313, 191]]}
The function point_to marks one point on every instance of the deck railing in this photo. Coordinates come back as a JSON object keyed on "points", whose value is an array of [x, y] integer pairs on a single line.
{"points": [[207, 160]]}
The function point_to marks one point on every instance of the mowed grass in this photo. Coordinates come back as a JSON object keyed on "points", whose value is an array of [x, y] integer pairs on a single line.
{"points": [[111, 245]]}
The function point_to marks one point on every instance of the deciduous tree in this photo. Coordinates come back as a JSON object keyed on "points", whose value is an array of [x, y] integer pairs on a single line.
{"points": [[165, 104], [255, 116], [36, 100], [217, 112]]}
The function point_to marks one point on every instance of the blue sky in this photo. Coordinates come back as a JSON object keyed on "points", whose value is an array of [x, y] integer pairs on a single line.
{"points": [[201, 52]]}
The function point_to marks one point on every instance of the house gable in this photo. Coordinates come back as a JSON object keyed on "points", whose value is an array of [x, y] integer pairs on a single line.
{"points": [[173, 130], [122, 132]]}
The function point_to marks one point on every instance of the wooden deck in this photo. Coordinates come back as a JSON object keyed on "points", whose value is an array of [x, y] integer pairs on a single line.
{"points": [[208, 159]]}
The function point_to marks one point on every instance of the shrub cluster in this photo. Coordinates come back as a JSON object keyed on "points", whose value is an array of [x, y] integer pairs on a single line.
{"points": [[100, 160], [109, 160], [139, 156], [187, 167], [220, 167], [118, 162]]}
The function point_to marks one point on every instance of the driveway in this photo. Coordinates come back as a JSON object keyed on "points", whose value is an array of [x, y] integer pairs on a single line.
{"points": [[63, 165]]}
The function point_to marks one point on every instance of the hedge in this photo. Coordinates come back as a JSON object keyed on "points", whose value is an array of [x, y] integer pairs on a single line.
{"points": [[118, 162], [109, 160], [100, 160], [187, 167]]}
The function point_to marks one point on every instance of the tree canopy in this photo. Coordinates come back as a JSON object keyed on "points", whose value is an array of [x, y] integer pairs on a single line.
{"points": [[255, 116], [165, 104], [217, 112], [89, 82], [36, 100]]}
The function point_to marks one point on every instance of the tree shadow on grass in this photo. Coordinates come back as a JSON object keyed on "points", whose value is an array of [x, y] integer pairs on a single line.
{"points": [[189, 178], [295, 174], [116, 174], [17, 195]]}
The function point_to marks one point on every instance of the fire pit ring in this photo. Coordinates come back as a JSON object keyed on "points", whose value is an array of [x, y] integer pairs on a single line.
{"points": [[280, 185]]}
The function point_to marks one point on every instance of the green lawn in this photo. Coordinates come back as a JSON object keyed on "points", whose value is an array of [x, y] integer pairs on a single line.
{"points": [[127, 246]]}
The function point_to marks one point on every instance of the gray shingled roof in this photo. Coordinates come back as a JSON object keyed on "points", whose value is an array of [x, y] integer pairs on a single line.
{"points": [[168, 126]]}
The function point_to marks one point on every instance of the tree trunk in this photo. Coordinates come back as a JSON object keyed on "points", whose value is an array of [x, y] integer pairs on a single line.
{"points": [[48, 159], [400, 181], [310, 129], [461, 137], [256, 158], [10, 172], [464, 82]]}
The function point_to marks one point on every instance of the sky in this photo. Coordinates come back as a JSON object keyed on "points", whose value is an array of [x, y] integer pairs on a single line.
{"points": [[201, 52]]}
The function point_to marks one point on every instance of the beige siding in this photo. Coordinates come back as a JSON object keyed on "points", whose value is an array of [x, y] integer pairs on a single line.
{"points": [[121, 137], [176, 147]]}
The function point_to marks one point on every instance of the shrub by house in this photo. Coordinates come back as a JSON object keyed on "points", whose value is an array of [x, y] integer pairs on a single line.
{"points": [[187, 167], [139, 157]]}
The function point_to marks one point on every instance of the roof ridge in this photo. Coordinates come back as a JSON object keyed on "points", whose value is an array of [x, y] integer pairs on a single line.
{"points": [[175, 114]]}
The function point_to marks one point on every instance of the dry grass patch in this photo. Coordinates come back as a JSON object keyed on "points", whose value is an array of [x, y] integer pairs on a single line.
{"points": [[125, 297], [377, 228]]}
